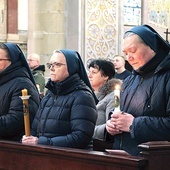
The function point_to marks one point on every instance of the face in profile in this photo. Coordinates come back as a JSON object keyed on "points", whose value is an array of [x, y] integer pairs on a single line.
{"points": [[96, 78], [4, 61], [58, 67], [118, 62], [33, 61]]}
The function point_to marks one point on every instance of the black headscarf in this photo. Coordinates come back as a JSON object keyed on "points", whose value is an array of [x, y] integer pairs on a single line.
{"points": [[75, 65], [151, 37], [156, 43], [16, 55]]}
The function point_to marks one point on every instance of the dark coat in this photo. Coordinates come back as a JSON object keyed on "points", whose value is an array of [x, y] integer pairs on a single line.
{"points": [[16, 77], [146, 95], [67, 114], [12, 81], [39, 77]]}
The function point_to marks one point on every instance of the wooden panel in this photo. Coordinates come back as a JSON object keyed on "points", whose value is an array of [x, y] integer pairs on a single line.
{"points": [[19, 156], [157, 153]]}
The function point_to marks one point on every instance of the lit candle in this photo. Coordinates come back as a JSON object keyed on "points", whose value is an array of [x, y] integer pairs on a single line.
{"points": [[26, 112], [117, 98]]}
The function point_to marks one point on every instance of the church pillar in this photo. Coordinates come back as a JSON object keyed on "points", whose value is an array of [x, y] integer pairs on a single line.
{"points": [[46, 26], [3, 21]]}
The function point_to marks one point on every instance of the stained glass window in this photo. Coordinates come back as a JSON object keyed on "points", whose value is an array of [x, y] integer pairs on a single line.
{"points": [[132, 12]]}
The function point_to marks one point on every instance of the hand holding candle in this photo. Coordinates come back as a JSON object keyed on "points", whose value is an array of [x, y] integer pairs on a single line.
{"points": [[25, 98]]}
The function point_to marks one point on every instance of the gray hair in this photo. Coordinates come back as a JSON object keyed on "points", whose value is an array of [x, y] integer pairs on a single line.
{"points": [[57, 51], [129, 34]]}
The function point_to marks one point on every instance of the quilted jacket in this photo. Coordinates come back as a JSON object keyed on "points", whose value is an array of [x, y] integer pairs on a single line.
{"points": [[67, 114], [12, 81]]}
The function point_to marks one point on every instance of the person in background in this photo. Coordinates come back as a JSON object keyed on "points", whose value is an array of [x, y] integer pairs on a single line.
{"points": [[119, 64], [15, 76], [37, 71], [67, 113], [145, 101], [100, 75]]}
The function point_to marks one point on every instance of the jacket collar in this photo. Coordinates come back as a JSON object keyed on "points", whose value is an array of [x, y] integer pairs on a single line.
{"points": [[160, 61], [108, 87], [72, 83]]}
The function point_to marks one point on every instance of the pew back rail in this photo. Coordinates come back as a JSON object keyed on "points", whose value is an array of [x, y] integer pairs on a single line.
{"points": [[156, 155]]}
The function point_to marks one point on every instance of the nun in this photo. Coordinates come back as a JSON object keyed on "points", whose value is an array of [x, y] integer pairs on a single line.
{"points": [[67, 114], [145, 101], [15, 76]]}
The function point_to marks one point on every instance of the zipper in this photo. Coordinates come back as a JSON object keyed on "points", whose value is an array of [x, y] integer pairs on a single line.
{"points": [[140, 82], [39, 133], [43, 128]]}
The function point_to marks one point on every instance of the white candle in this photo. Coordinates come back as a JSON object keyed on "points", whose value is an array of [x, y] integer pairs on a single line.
{"points": [[117, 98]]}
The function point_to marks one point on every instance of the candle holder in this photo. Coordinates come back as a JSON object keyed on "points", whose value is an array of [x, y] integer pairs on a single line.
{"points": [[25, 97], [25, 106], [116, 99], [116, 103]]}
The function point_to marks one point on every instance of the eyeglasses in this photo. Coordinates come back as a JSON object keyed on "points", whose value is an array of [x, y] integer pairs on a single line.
{"points": [[3, 59], [30, 60], [54, 65]]}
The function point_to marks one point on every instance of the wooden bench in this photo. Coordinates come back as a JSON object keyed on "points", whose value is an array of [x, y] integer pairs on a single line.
{"points": [[16, 156]]}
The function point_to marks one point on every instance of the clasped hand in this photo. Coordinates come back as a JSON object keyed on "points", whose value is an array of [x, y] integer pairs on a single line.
{"points": [[119, 122], [29, 140]]}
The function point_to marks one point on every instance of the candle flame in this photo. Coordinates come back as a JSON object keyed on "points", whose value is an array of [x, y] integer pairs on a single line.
{"points": [[117, 87]]}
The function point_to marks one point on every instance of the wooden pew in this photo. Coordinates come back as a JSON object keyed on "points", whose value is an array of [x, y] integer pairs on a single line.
{"points": [[16, 156], [157, 153]]}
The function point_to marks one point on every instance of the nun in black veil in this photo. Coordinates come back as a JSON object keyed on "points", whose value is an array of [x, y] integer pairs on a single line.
{"points": [[67, 114], [145, 100], [15, 76]]}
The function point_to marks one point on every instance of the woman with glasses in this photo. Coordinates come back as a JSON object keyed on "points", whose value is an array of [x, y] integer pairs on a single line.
{"points": [[15, 76], [67, 114]]}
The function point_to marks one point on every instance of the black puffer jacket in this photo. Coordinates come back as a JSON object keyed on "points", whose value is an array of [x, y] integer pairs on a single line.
{"points": [[12, 81], [67, 114], [146, 95]]}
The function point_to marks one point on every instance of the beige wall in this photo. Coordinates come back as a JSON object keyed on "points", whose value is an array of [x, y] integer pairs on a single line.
{"points": [[46, 27], [54, 24], [57, 24]]}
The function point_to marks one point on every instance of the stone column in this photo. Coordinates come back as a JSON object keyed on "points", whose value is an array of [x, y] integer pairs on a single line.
{"points": [[3, 21], [46, 27]]}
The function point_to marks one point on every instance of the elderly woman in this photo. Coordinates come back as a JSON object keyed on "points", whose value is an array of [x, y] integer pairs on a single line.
{"points": [[101, 73], [15, 76], [67, 114], [145, 100]]}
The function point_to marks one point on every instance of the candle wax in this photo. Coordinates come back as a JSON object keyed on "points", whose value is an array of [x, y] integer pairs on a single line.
{"points": [[117, 98], [24, 92], [26, 113]]}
